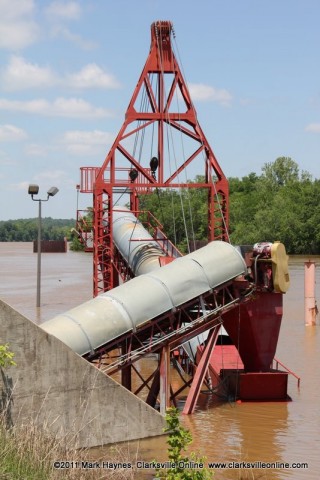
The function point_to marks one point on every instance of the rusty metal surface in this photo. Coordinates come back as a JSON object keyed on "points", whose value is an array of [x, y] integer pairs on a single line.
{"points": [[51, 246]]}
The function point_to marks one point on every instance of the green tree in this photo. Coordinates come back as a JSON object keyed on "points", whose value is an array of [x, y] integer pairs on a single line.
{"points": [[183, 214], [6, 357], [280, 204], [245, 197], [179, 439], [290, 212], [281, 172]]}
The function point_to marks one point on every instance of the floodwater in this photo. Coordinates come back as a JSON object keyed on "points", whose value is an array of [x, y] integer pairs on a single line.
{"points": [[66, 280], [284, 432]]}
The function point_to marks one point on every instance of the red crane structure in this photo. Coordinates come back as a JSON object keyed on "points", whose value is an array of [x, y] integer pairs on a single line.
{"points": [[159, 140], [160, 111]]}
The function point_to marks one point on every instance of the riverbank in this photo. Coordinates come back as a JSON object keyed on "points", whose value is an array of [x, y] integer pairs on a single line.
{"points": [[31, 453]]}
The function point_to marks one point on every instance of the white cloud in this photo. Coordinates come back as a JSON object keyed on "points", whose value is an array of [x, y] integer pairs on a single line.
{"points": [[201, 92], [60, 31], [76, 107], [57, 178], [95, 137], [58, 12], [13, 9], [92, 76], [80, 142], [20, 74], [10, 133], [36, 150], [45, 179], [5, 158], [65, 10], [244, 102], [19, 186], [17, 27], [313, 127], [81, 149], [17, 35], [51, 176], [61, 107]]}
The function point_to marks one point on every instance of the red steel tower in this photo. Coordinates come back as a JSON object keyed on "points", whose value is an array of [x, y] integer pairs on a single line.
{"points": [[145, 157]]}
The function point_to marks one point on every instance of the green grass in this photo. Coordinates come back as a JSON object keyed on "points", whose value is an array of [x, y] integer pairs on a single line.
{"points": [[29, 452], [23, 455]]}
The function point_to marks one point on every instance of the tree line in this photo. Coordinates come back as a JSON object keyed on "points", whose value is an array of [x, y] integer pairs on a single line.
{"points": [[26, 230], [282, 203]]}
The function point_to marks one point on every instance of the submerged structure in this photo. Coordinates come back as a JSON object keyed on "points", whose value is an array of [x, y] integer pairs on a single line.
{"points": [[149, 298]]}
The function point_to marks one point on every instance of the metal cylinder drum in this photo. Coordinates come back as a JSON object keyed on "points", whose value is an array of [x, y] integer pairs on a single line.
{"points": [[134, 242], [130, 305]]}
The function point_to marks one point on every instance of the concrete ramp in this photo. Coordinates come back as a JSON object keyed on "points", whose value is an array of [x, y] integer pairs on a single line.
{"points": [[51, 384]]}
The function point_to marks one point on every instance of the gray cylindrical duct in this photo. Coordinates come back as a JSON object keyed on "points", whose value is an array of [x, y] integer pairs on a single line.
{"points": [[143, 298], [134, 242]]}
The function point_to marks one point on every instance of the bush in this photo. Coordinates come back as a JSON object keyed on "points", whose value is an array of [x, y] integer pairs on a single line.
{"points": [[181, 467]]}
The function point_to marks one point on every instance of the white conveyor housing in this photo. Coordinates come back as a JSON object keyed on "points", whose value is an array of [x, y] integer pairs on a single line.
{"points": [[127, 307], [134, 242]]}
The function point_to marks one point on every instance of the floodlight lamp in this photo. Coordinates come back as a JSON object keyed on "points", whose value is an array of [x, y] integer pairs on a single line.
{"points": [[52, 191], [33, 189]]}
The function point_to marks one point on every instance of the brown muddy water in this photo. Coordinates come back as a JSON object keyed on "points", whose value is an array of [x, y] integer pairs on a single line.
{"points": [[287, 432]]}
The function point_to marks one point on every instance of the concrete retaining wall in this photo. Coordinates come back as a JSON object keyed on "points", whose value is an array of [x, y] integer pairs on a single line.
{"points": [[51, 384]]}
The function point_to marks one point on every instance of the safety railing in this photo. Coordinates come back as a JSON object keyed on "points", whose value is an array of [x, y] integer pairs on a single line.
{"points": [[277, 363]]}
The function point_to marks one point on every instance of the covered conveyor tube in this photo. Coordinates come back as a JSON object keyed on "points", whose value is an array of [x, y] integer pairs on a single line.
{"points": [[127, 307], [134, 242]]}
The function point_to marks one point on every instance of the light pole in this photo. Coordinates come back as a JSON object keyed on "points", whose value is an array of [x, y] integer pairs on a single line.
{"points": [[33, 190]]}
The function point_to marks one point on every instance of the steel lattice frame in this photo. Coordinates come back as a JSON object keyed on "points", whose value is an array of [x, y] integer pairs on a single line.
{"points": [[165, 334], [160, 82]]}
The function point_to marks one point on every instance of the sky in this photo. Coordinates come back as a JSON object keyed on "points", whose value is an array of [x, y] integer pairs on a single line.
{"points": [[68, 69]]}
